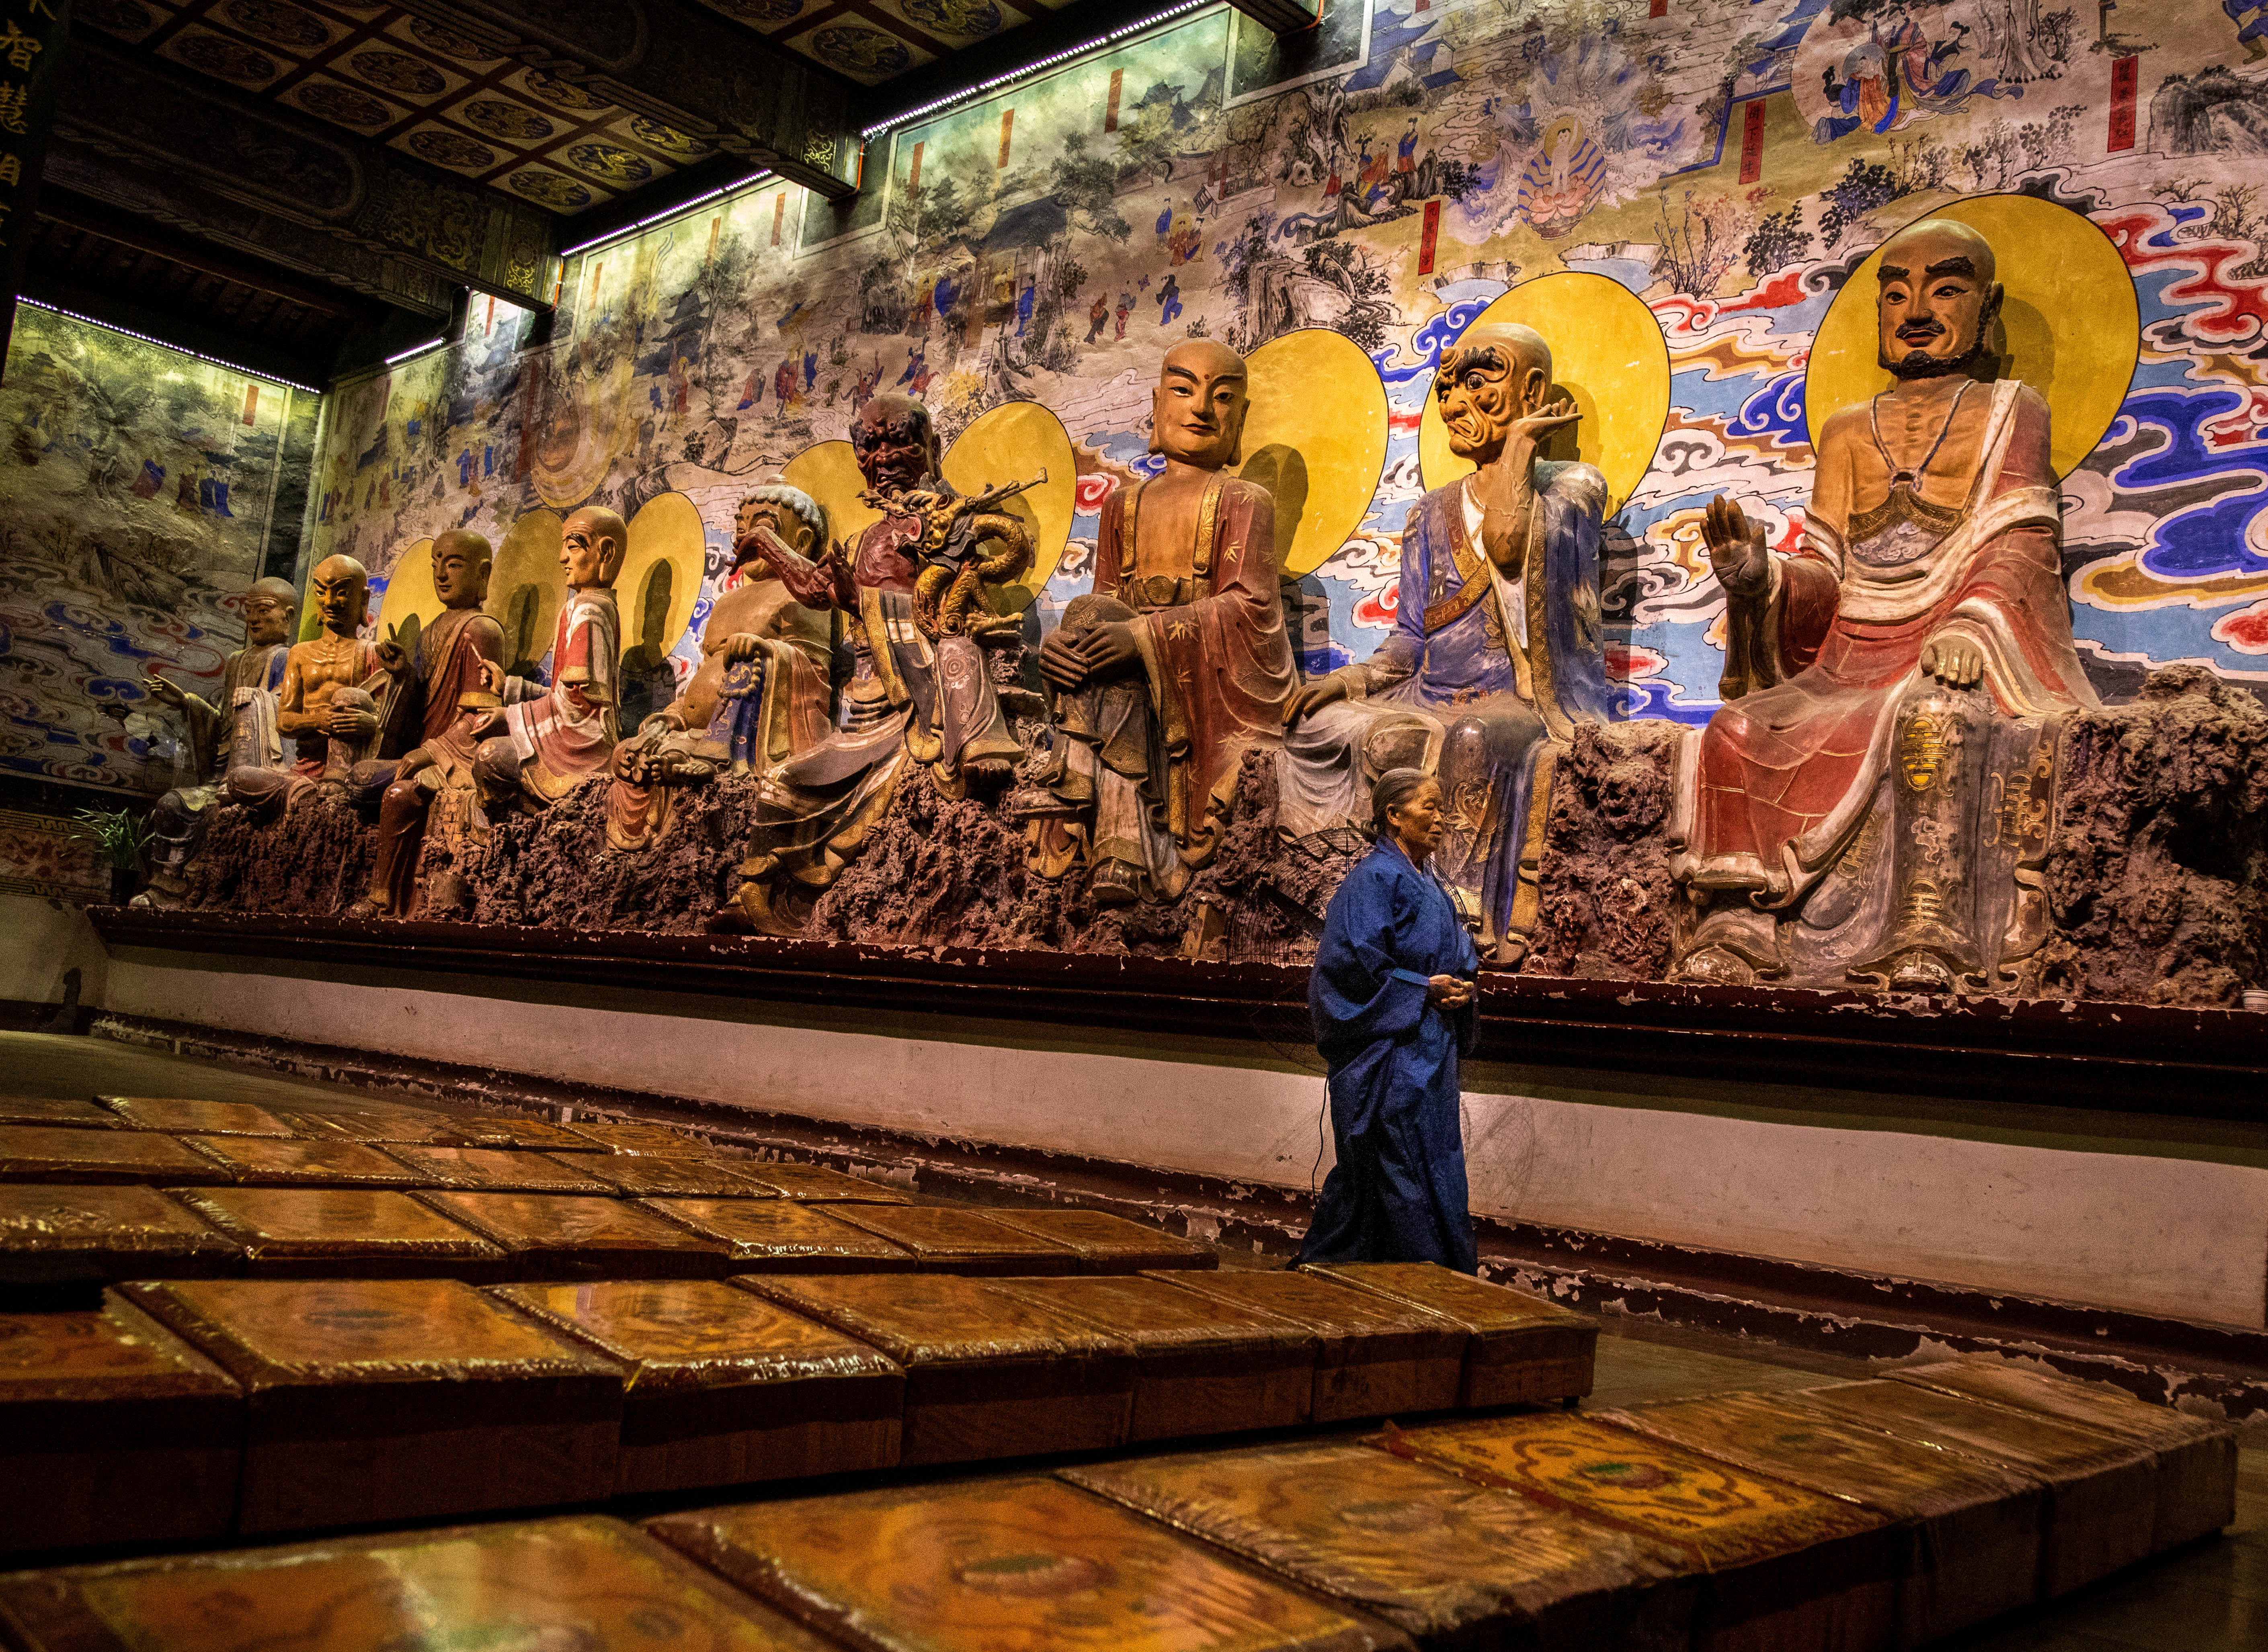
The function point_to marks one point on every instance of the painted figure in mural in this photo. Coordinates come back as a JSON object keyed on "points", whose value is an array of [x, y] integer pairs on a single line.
{"points": [[555, 738], [1177, 662], [324, 703], [1496, 652], [761, 692], [1098, 317], [440, 690], [1394, 995], [912, 697], [1913, 655], [240, 730]]}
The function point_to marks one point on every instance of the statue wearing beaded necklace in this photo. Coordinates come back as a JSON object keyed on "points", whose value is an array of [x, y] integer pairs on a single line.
{"points": [[1871, 803]]}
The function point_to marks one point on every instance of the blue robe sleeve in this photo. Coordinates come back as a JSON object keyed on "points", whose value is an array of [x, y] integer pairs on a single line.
{"points": [[1360, 993]]}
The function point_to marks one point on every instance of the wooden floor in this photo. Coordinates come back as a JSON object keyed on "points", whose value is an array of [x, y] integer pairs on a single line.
{"points": [[2208, 1596]]}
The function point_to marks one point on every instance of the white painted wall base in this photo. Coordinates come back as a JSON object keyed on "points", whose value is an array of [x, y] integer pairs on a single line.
{"points": [[41, 940], [2169, 1229]]}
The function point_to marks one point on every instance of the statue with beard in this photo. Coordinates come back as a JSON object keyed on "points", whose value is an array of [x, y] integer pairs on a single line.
{"points": [[1871, 803]]}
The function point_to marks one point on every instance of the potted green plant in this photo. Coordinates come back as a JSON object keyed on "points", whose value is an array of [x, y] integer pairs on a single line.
{"points": [[119, 836]]}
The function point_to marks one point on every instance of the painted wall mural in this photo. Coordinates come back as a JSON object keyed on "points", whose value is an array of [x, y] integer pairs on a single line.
{"points": [[141, 492], [1728, 165]]}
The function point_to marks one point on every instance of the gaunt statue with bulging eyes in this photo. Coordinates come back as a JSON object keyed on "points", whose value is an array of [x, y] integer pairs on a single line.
{"points": [[1910, 656], [1177, 664], [1496, 652]]}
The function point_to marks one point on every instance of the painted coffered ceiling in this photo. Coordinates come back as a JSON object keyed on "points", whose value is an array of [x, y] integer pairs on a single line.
{"points": [[872, 41], [415, 86]]}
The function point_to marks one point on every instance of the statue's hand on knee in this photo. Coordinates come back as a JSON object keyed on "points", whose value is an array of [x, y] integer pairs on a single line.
{"points": [[1314, 696], [1953, 661], [1060, 661]]}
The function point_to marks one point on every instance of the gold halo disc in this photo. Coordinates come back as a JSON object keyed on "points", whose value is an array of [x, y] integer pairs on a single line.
{"points": [[1608, 355], [666, 529], [1015, 441], [828, 472], [410, 590], [528, 557], [1315, 438], [2071, 322]]}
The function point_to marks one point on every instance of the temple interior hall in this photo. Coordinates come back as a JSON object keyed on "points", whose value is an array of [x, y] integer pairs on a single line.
{"points": [[1182, 826]]}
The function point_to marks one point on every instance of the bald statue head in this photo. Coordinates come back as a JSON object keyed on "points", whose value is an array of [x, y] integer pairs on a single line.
{"points": [[268, 605], [1491, 378], [341, 586], [895, 443], [1936, 300], [461, 561], [591, 546], [1196, 413]]}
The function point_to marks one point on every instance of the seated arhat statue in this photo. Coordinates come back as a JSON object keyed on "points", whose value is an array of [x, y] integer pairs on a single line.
{"points": [[325, 702], [556, 738], [1496, 652], [438, 698], [761, 692], [917, 694], [1911, 657], [1177, 662], [240, 730]]}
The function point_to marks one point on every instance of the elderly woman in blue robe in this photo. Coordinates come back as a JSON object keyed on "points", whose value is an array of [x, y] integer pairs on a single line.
{"points": [[1394, 1002]]}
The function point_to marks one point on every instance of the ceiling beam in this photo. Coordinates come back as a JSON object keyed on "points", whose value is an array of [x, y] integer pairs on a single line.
{"points": [[107, 222], [133, 134], [685, 66]]}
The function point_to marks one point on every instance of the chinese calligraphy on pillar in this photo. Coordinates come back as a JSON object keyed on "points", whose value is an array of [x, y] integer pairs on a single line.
{"points": [[32, 35]]}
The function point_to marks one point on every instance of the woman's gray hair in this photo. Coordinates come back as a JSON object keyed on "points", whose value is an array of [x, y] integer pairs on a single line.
{"points": [[1389, 791]]}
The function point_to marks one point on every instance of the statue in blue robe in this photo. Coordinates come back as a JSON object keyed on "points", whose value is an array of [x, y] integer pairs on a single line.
{"points": [[1496, 652], [1397, 1191]]}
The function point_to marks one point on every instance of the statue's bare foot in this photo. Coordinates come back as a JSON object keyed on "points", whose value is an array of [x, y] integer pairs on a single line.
{"points": [[1714, 966], [366, 911]]}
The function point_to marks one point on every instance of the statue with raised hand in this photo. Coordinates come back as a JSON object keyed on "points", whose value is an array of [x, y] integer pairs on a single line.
{"points": [[1915, 646], [763, 690], [1496, 652], [240, 729]]}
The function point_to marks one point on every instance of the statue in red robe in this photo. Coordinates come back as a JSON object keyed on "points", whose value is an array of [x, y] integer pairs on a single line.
{"points": [[1177, 664], [1871, 803], [555, 738], [439, 688]]}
